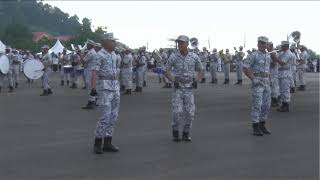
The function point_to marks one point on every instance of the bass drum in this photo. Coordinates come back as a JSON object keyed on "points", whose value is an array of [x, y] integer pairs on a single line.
{"points": [[4, 64], [33, 69]]}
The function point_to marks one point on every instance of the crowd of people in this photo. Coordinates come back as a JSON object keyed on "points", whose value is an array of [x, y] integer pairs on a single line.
{"points": [[106, 71]]}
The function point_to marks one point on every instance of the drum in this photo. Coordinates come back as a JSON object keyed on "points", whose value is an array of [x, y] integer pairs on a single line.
{"points": [[67, 69], [4, 64], [33, 69]]}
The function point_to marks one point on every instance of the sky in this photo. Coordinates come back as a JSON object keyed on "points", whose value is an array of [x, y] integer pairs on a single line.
{"points": [[220, 24]]}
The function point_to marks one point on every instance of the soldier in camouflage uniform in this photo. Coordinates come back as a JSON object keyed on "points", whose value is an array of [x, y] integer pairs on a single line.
{"points": [[180, 70], [285, 60], [47, 62], [257, 68], [10, 56], [239, 63], [88, 63], [293, 70], [301, 68], [274, 76], [141, 61], [204, 57], [214, 58], [226, 61], [126, 65], [16, 67], [105, 74]]}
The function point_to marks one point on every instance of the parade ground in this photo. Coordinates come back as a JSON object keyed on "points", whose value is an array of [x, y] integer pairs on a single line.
{"points": [[52, 137]]}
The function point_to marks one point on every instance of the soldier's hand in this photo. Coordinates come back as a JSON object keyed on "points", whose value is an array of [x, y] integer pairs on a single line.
{"points": [[195, 85], [43, 69], [93, 92]]}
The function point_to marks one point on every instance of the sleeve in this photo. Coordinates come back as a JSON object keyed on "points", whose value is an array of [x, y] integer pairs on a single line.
{"points": [[97, 63], [198, 64], [169, 64], [247, 63]]}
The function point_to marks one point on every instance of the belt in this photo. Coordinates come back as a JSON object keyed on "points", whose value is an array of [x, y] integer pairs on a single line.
{"points": [[261, 74], [284, 69], [106, 78]]}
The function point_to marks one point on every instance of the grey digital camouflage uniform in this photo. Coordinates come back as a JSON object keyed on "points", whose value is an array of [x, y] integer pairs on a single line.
{"points": [[226, 62], [259, 63], [47, 62], [183, 107], [140, 69], [89, 62], [126, 71], [214, 58], [301, 68], [274, 76], [285, 75], [108, 93], [239, 64]]}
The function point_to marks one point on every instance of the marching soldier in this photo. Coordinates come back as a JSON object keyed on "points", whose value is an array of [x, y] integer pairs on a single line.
{"points": [[227, 58], [204, 57], [285, 60], [126, 71], [274, 76], [65, 73], [293, 70], [47, 62], [16, 67], [164, 56], [105, 81], [140, 68], [75, 62], [257, 69], [301, 68], [10, 56], [89, 61], [239, 58], [214, 58], [180, 70]]}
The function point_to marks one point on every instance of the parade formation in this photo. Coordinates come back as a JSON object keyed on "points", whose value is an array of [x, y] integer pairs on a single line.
{"points": [[107, 70]]}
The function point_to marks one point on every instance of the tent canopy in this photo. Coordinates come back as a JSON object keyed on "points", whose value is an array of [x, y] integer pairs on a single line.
{"points": [[2, 47], [57, 48]]}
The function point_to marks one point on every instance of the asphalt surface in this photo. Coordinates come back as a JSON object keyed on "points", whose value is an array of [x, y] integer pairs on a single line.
{"points": [[52, 137]]}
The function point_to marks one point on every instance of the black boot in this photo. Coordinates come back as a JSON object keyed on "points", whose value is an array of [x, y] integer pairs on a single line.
{"points": [[226, 81], [85, 87], [144, 84], [263, 128], [203, 80], [240, 82], [10, 89], [140, 89], [129, 91], [186, 137], [175, 135], [237, 82], [169, 85], [213, 81], [68, 82], [122, 88], [74, 86], [108, 147], [256, 129], [274, 102], [216, 81], [292, 90], [45, 93], [16, 85], [90, 105], [97, 147], [0, 89], [62, 83], [284, 107], [49, 92], [137, 89], [160, 80]]}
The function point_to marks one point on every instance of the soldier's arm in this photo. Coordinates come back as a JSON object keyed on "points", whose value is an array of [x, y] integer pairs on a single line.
{"points": [[199, 69], [247, 67], [169, 66]]}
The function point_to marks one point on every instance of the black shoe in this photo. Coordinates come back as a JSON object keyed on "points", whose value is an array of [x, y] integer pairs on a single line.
{"points": [[240, 82], [226, 81], [137, 89], [169, 85], [108, 147], [122, 88], [0, 89], [284, 107], [263, 127], [160, 80], [90, 105], [68, 82], [74, 86], [256, 129], [144, 84], [203, 80], [175, 135], [85, 87], [292, 90], [10, 89], [186, 137], [16, 85], [97, 147], [213, 81], [45, 93], [49, 92], [62, 83], [216, 81]]}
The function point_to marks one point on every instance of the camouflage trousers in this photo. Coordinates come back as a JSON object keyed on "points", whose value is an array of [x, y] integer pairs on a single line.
{"points": [[284, 84], [87, 79], [8, 76], [109, 104], [274, 83], [239, 70], [261, 100], [226, 70], [45, 79], [126, 77], [301, 80], [213, 70], [140, 76], [16, 73], [183, 109], [293, 79]]}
